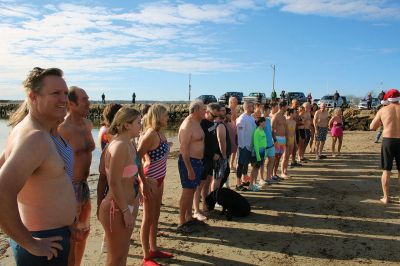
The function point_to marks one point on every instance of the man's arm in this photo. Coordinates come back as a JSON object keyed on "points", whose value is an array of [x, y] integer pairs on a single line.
{"points": [[376, 122], [185, 139], [274, 123], [221, 136], [316, 117], [28, 154]]}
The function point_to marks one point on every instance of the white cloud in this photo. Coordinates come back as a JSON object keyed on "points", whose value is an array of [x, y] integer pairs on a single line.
{"points": [[85, 41], [363, 9], [88, 39]]}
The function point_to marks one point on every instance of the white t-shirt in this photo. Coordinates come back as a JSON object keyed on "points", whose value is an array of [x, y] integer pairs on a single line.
{"points": [[245, 128]]}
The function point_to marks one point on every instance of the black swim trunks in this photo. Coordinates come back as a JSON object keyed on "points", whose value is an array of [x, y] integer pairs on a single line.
{"points": [[390, 150], [322, 132]]}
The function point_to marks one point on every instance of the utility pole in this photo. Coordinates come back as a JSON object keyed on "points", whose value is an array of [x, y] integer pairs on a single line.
{"points": [[273, 77], [190, 86]]}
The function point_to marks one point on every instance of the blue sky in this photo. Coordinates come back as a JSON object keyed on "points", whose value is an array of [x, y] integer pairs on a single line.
{"points": [[150, 47]]}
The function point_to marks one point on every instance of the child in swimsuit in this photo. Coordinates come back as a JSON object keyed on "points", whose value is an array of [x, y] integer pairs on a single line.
{"points": [[336, 127], [291, 139], [119, 208]]}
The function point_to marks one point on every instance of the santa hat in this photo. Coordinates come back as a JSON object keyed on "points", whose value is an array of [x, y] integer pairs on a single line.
{"points": [[392, 95]]}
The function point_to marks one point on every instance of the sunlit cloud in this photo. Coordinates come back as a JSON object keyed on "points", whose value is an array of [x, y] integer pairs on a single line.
{"points": [[362, 9]]}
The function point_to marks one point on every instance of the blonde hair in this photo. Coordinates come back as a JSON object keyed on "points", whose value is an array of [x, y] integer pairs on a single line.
{"points": [[153, 117], [32, 83], [337, 110], [124, 115]]}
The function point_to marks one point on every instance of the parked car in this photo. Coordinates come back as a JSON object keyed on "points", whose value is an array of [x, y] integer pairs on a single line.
{"points": [[207, 99], [299, 96], [364, 106], [315, 101], [225, 97], [329, 102], [257, 97]]}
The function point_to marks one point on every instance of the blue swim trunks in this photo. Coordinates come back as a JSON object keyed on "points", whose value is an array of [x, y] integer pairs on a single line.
{"points": [[197, 165], [271, 152], [23, 257]]}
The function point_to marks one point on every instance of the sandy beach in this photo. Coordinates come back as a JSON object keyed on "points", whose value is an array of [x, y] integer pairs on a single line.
{"points": [[327, 214]]}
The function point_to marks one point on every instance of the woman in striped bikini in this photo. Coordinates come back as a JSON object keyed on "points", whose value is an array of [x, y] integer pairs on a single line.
{"points": [[154, 145]]}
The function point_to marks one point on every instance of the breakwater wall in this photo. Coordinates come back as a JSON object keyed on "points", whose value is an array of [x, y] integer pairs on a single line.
{"points": [[353, 119], [177, 112]]}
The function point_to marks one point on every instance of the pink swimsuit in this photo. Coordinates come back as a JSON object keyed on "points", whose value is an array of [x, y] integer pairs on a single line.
{"points": [[337, 129], [130, 171]]}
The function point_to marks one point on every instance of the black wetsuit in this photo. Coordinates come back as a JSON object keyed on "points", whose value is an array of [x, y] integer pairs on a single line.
{"points": [[210, 146]]}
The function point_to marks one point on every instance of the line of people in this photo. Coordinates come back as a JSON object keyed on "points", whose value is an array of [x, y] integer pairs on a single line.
{"points": [[213, 136]]}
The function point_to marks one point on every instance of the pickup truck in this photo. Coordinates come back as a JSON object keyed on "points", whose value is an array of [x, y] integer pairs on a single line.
{"points": [[225, 97], [257, 97]]}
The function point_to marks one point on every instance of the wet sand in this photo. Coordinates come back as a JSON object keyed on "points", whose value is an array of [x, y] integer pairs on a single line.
{"points": [[328, 214]]}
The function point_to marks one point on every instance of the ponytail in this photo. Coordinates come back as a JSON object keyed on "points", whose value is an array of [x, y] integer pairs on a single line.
{"points": [[19, 114]]}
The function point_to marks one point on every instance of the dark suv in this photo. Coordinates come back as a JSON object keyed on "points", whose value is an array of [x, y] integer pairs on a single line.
{"points": [[207, 99], [299, 96], [225, 97]]}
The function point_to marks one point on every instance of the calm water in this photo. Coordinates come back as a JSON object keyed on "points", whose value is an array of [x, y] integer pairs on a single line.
{"points": [[5, 130]]}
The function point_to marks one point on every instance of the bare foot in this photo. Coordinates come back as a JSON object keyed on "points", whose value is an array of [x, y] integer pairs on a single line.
{"points": [[385, 200], [286, 176]]}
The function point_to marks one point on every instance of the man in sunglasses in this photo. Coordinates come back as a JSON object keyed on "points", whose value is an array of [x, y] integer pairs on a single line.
{"points": [[210, 155]]}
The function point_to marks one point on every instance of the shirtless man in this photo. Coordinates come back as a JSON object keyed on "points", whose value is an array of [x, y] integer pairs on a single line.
{"points": [[76, 129], [36, 197], [321, 119], [279, 129], [389, 118], [299, 125], [306, 118], [191, 149]]}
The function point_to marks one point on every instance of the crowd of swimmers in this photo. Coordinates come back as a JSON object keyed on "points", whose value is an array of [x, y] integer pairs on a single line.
{"points": [[44, 192]]}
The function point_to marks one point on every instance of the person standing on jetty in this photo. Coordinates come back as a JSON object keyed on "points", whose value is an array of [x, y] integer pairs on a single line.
{"points": [[190, 164], [321, 119], [389, 118], [134, 98], [36, 196], [76, 129], [335, 98], [103, 98]]}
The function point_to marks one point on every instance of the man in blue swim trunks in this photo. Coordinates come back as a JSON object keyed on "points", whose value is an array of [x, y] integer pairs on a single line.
{"points": [[37, 200], [191, 149]]}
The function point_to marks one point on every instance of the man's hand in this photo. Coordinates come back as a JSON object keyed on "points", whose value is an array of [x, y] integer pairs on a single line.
{"points": [[191, 174], [216, 157], [46, 247]]}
